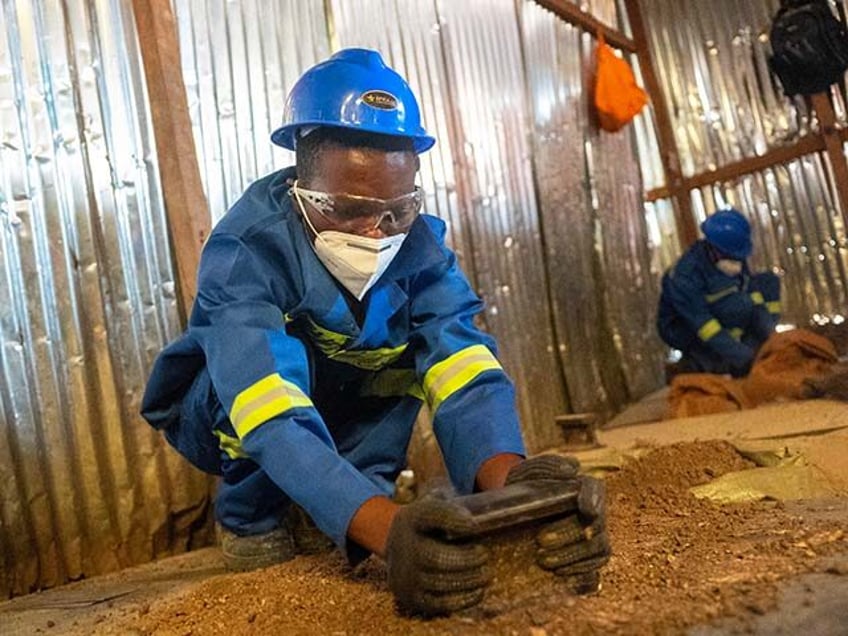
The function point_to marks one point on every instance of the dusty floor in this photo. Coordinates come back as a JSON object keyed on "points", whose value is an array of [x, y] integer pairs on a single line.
{"points": [[679, 562]]}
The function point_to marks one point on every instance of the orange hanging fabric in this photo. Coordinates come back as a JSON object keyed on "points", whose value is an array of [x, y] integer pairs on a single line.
{"points": [[617, 97]]}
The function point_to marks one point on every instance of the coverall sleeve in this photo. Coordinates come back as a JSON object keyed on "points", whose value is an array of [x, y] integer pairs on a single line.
{"points": [[261, 376], [471, 399], [686, 293]]}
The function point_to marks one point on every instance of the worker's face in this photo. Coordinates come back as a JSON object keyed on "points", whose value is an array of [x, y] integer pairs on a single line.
{"points": [[363, 172]]}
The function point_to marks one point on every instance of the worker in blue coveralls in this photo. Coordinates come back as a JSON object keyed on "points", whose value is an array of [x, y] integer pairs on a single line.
{"points": [[712, 308], [328, 310]]}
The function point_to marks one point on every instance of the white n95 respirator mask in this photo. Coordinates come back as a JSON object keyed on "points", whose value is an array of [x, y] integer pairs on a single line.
{"points": [[729, 267]]}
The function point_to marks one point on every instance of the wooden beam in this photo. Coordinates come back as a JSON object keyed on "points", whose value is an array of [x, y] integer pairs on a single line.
{"points": [[657, 194], [185, 202], [806, 145], [687, 231], [835, 152], [573, 14]]}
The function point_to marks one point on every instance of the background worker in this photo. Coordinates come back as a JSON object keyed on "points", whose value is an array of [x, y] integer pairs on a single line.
{"points": [[328, 310], [711, 307]]}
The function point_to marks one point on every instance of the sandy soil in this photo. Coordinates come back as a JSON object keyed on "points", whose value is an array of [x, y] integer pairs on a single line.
{"points": [[678, 562]]}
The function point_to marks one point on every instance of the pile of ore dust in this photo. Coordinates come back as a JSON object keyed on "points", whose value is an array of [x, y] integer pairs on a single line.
{"points": [[677, 561]]}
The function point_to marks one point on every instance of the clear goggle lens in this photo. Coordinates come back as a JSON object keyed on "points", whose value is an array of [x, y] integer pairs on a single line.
{"points": [[353, 213]]}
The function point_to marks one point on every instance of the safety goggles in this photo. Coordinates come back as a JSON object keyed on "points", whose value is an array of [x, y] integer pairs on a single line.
{"points": [[361, 215]]}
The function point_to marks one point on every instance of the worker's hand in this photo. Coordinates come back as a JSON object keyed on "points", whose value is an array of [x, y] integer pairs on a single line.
{"points": [[429, 574], [575, 546]]}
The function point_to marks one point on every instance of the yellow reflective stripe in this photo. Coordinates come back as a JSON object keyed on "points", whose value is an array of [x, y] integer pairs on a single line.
{"points": [[773, 306], [709, 329], [736, 333], [711, 298], [370, 359], [328, 342], [332, 344], [258, 403], [757, 297], [393, 383], [230, 445], [451, 374]]}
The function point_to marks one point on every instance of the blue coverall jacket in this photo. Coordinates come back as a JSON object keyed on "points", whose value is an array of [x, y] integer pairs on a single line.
{"points": [[717, 321], [276, 386]]}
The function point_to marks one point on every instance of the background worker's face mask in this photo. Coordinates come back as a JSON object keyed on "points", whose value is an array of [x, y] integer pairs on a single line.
{"points": [[357, 262], [729, 267]]}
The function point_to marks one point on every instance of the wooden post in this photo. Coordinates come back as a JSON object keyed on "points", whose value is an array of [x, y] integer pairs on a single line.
{"points": [[185, 202], [833, 146], [686, 228]]}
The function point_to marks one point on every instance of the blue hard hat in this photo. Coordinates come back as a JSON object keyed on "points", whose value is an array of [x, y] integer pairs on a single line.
{"points": [[353, 89], [730, 233]]}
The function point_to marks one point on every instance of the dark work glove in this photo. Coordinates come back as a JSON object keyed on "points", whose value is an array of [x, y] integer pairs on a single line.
{"points": [[760, 327], [429, 574], [576, 545], [736, 355]]}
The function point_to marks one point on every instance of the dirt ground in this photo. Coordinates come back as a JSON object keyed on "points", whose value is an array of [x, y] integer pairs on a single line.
{"points": [[678, 562]]}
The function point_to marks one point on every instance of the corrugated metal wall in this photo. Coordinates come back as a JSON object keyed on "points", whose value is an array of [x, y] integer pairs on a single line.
{"points": [[488, 98], [86, 300], [725, 106], [543, 210], [595, 235], [238, 60]]}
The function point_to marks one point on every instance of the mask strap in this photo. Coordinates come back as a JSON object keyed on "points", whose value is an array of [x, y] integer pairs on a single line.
{"points": [[303, 212]]}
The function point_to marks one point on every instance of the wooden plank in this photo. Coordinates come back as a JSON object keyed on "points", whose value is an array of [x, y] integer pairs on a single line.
{"points": [[833, 143], [573, 14], [806, 145], [185, 201], [686, 229]]}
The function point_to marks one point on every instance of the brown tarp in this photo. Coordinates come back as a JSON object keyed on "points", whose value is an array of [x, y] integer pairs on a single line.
{"points": [[784, 369]]}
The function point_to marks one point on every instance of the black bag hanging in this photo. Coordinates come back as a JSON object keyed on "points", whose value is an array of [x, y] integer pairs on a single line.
{"points": [[809, 47]]}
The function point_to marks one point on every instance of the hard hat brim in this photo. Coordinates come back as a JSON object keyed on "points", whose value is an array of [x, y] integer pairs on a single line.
{"points": [[284, 136]]}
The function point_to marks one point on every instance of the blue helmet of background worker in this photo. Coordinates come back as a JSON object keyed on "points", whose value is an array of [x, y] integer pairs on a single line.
{"points": [[353, 89], [729, 232]]}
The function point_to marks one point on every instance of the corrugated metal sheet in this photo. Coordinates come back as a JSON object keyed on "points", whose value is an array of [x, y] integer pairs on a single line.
{"points": [[711, 58], [712, 61], [560, 128], [86, 300], [629, 282], [489, 95], [239, 60], [601, 276]]}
